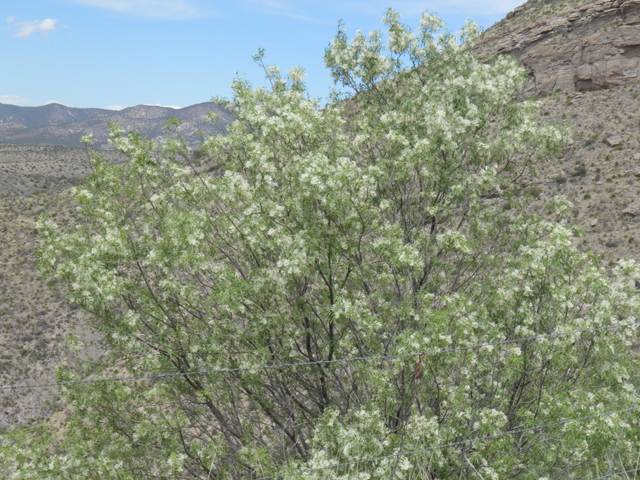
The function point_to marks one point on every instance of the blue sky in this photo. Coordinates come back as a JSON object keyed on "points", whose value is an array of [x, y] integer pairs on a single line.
{"points": [[118, 53]]}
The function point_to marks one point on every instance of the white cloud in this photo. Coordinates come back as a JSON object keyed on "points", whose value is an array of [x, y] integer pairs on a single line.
{"points": [[161, 9], [29, 27], [115, 107], [16, 100], [11, 19]]}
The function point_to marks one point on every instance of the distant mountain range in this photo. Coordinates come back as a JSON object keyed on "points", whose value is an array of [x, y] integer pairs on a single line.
{"points": [[55, 124]]}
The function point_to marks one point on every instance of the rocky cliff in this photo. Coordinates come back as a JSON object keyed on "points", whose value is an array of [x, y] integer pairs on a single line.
{"points": [[571, 45]]}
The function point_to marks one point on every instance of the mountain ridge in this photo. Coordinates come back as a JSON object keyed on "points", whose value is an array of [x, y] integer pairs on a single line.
{"points": [[56, 124]]}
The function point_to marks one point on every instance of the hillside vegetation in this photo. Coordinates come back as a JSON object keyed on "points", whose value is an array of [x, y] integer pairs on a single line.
{"points": [[383, 250]]}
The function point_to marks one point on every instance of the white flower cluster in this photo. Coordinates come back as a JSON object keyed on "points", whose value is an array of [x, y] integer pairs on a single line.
{"points": [[389, 223]]}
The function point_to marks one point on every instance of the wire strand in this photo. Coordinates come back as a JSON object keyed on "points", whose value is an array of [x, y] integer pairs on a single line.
{"points": [[608, 475], [454, 444], [318, 362]]}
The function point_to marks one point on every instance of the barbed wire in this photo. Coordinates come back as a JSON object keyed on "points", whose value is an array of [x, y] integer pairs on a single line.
{"points": [[320, 362], [166, 477], [608, 475], [624, 472], [380, 357], [204, 372], [454, 444]]}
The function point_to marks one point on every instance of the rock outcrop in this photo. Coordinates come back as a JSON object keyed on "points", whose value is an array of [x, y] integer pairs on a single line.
{"points": [[571, 46]]}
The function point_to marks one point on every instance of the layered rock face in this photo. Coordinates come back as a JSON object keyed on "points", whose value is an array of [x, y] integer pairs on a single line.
{"points": [[571, 45]]}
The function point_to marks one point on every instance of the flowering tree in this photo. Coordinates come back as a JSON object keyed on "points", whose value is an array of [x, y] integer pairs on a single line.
{"points": [[387, 226]]}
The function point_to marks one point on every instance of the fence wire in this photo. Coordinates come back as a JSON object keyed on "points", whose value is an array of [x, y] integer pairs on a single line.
{"points": [[624, 472], [454, 444], [374, 358], [321, 362]]}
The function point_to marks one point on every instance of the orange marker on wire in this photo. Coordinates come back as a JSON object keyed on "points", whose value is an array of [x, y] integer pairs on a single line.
{"points": [[419, 364]]}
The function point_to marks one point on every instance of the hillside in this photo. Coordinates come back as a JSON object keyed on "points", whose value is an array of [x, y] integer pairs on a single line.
{"points": [[583, 58], [55, 124], [35, 321], [599, 173]]}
